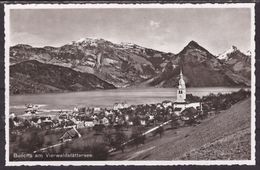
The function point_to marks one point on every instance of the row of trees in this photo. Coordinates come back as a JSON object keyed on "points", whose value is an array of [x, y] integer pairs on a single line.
{"points": [[219, 101]]}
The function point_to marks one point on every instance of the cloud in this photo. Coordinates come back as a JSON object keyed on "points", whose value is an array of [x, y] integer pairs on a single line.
{"points": [[154, 24]]}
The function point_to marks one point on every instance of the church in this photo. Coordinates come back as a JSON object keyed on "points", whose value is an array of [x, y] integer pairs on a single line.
{"points": [[181, 104]]}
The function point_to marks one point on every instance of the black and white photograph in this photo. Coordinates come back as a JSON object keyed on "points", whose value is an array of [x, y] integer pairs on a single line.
{"points": [[130, 84]]}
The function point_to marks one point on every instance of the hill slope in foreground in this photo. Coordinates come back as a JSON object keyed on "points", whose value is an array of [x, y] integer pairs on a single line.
{"points": [[225, 136]]}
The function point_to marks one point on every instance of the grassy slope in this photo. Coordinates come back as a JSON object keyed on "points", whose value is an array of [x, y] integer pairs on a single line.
{"points": [[224, 136]]}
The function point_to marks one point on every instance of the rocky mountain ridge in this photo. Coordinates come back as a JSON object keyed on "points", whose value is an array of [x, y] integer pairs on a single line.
{"points": [[30, 77], [120, 64], [202, 69], [127, 64]]}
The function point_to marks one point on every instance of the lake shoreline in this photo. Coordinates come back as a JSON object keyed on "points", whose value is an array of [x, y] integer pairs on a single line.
{"points": [[124, 88], [107, 98]]}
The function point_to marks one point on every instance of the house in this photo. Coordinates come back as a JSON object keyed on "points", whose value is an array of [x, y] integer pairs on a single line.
{"points": [[82, 110], [159, 106], [46, 124], [70, 134], [96, 110], [75, 109], [167, 104], [63, 115], [143, 122], [181, 104], [89, 124], [116, 119], [189, 112], [80, 124], [118, 106], [179, 107], [105, 121], [96, 122], [151, 117], [31, 109], [94, 117], [107, 113], [69, 123], [39, 121], [12, 116], [127, 118], [74, 120]]}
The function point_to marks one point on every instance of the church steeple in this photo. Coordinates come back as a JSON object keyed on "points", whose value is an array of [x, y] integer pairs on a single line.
{"points": [[181, 81], [181, 92]]}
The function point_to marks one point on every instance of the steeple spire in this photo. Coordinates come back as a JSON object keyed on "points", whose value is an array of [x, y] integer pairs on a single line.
{"points": [[181, 80]]}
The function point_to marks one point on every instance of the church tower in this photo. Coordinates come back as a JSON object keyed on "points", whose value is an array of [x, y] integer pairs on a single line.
{"points": [[181, 92]]}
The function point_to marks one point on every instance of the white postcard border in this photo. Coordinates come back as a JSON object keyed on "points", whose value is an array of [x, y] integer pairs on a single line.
{"points": [[7, 9]]}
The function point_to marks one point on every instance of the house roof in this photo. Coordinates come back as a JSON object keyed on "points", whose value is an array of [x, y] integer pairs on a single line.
{"points": [[177, 109], [180, 103], [189, 111], [69, 134]]}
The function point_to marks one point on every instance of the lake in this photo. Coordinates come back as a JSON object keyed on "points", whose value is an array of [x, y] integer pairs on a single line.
{"points": [[105, 98]]}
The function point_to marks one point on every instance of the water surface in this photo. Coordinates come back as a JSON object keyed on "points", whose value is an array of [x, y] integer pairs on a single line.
{"points": [[106, 98]]}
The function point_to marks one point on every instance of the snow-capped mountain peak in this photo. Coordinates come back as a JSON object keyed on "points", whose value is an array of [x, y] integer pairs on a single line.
{"points": [[87, 41], [248, 53], [224, 55]]}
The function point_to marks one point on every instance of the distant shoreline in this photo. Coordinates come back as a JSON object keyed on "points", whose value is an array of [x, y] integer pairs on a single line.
{"points": [[95, 90]]}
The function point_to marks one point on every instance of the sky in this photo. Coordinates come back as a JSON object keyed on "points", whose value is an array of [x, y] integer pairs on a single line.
{"points": [[167, 29]]}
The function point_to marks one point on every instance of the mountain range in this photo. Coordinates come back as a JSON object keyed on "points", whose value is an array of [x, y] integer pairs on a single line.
{"points": [[100, 64], [34, 77]]}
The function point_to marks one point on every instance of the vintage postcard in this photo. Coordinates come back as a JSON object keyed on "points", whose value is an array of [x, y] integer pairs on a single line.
{"points": [[125, 84]]}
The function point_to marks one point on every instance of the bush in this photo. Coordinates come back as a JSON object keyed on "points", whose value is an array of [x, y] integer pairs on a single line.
{"points": [[223, 101], [99, 128], [31, 143], [99, 151], [116, 139], [137, 137]]}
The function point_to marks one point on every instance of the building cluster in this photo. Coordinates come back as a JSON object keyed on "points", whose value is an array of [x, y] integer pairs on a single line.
{"points": [[121, 114]]}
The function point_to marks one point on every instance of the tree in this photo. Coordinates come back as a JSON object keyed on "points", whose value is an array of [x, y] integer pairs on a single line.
{"points": [[174, 122], [120, 138], [11, 123], [159, 130], [188, 115], [191, 98], [137, 136], [136, 121]]}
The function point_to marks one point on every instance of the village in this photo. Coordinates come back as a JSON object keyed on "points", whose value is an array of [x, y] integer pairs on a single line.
{"points": [[127, 123]]}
